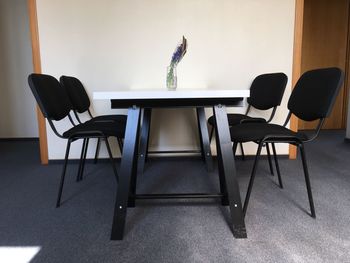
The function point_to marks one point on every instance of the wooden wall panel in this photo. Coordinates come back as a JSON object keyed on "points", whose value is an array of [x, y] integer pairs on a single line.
{"points": [[325, 37]]}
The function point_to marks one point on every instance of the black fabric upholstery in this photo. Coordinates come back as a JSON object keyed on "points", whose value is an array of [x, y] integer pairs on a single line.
{"points": [[55, 104], [235, 119], [315, 93], [311, 99], [267, 90], [120, 119], [81, 102], [95, 129], [53, 101], [76, 92], [247, 132]]}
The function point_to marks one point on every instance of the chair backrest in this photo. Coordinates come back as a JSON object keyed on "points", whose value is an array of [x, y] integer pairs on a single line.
{"points": [[76, 92], [51, 97], [267, 90], [315, 92]]}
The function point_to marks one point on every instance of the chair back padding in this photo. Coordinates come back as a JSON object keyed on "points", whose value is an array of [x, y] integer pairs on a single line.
{"points": [[76, 92], [315, 92], [51, 97], [267, 90]]}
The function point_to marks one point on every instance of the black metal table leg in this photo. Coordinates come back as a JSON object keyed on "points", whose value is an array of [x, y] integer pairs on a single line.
{"points": [[133, 181], [145, 127], [204, 138], [227, 170], [127, 171], [222, 181]]}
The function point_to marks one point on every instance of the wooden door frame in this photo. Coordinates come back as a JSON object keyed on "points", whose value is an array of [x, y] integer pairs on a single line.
{"points": [[297, 54], [33, 25], [347, 77]]}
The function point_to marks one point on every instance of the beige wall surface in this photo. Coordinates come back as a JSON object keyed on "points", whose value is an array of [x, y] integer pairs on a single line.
{"points": [[17, 106], [114, 44]]}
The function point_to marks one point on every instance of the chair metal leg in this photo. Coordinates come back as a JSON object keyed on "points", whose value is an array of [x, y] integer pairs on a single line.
{"points": [[307, 180], [58, 202], [97, 150], [81, 160], [111, 159], [211, 134], [269, 157], [277, 165], [120, 144], [242, 151], [252, 176], [84, 159], [234, 149]]}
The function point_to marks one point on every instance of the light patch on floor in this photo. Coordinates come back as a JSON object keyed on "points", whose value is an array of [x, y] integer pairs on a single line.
{"points": [[18, 254]]}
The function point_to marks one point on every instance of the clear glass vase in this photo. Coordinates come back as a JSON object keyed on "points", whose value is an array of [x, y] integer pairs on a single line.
{"points": [[171, 78]]}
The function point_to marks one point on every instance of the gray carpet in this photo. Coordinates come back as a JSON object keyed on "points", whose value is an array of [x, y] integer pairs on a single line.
{"points": [[279, 227]]}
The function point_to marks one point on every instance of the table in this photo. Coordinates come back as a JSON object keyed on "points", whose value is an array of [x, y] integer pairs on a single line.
{"points": [[136, 141]]}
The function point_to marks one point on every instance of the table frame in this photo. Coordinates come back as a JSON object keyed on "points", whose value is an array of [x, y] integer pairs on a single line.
{"points": [[131, 161], [205, 150]]}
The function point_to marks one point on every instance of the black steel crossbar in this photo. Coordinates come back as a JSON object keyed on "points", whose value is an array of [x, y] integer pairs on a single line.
{"points": [[177, 196], [175, 103], [169, 152]]}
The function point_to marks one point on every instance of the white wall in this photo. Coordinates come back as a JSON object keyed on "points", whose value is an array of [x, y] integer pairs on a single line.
{"points": [[112, 44], [17, 106]]}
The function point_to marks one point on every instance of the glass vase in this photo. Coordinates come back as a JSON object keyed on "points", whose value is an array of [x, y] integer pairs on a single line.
{"points": [[171, 78]]}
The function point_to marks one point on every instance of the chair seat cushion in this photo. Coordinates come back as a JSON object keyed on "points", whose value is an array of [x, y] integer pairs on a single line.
{"points": [[235, 119], [247, 132], [95, 129], [121, 119]]}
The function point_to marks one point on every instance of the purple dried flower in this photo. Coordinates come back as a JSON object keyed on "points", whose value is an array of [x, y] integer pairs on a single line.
{"points": [[180, 51]]}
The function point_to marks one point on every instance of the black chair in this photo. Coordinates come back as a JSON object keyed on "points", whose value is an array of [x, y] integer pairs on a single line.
{"points": [[55, 105], [81, 104], [266, 92], [312, 99]]}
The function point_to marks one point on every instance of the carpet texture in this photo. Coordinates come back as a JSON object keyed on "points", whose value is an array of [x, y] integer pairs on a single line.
{"points": [[278, 224]]}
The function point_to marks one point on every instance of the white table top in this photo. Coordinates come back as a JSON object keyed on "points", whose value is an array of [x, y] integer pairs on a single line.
{"points": [[170, 94]]}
